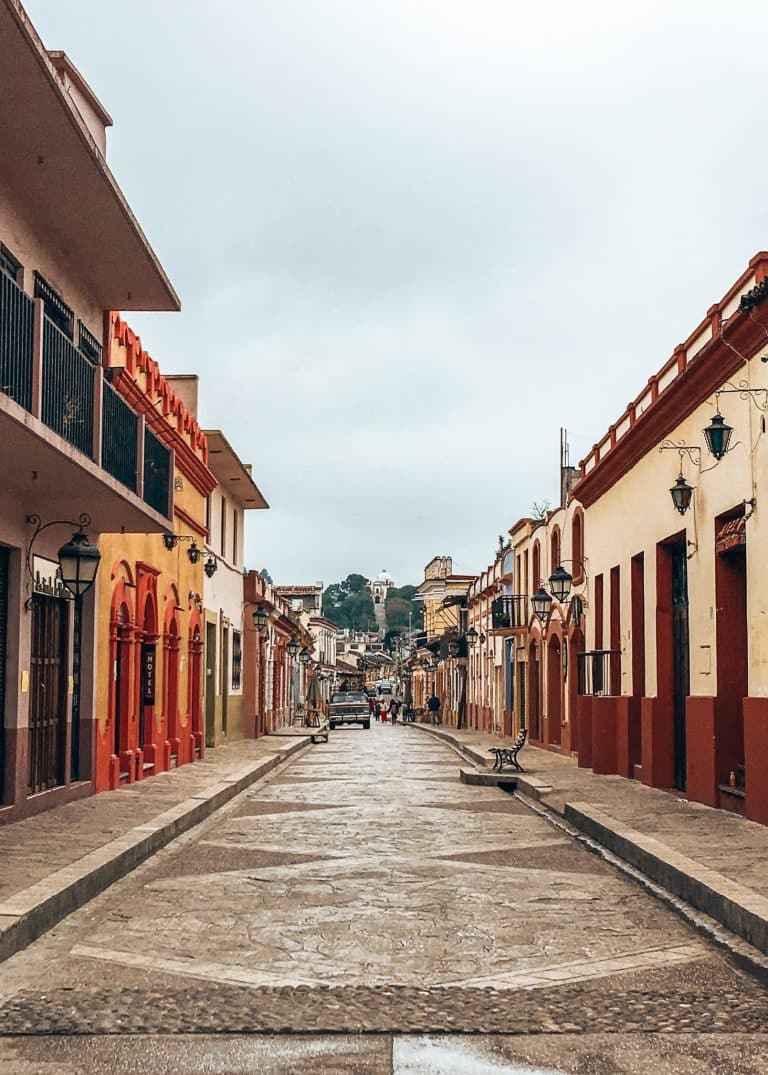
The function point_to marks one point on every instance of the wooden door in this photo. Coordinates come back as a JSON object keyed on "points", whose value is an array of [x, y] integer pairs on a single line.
{"points": [[680, 659]]}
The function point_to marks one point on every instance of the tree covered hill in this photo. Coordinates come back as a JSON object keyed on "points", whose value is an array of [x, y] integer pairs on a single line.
{"points": [[350, 605]]}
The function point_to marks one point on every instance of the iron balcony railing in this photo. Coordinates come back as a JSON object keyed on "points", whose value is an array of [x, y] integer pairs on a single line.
{"points": [[67, 389], [510, 610], [119, 438], [599, 672], [70, 382], [16, 341], [157, 472]]}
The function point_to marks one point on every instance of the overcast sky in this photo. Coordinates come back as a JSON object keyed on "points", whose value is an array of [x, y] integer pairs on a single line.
{"points": [[413, 239]]}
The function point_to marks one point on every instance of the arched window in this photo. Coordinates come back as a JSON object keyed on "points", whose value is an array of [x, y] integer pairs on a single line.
{"points": [[536, 567], [577, 546], [554, 561]]}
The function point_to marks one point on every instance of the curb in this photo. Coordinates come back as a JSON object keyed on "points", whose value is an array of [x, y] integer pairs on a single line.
{"points": [[28, 914], [741, 910]]}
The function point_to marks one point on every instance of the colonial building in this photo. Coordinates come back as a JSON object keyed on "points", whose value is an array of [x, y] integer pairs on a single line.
{"points": [[544, 636], [273, 636], [675, 678], [324, 634], [151, 634], [78, 455], [443, 595], [380, 587], [223, 599], [488, 656]]}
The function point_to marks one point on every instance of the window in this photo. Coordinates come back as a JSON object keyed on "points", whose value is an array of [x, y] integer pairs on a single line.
{"points": [[554, 562], [208, 516], [223, 531], [10, 266], [577, 546], [56, 309], [237, 659], [536, 567], [235, 521]]}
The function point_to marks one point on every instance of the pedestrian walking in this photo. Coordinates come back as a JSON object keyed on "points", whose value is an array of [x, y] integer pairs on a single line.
{"points": [[433, 705], [383, 711]]}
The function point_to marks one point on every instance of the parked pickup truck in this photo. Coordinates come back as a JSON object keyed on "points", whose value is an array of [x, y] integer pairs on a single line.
{"points": [[349, 707]]}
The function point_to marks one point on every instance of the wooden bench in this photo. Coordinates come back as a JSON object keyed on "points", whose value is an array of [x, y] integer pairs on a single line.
{"points": [[508, 755]]}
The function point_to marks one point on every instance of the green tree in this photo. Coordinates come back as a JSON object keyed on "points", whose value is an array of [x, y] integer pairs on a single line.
{"points": [[389, 638], [349, 604], [356, 583], [402, 610]]}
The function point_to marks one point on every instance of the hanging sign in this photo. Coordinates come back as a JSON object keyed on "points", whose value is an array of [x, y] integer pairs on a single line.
{"points": [[148, 655]]}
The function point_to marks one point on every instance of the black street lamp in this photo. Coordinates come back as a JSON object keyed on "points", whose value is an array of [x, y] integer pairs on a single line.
{"points": [[194, 552], [78, 563], [541, 602], [718, 436], [210, 567], [681, 493], [454, 647], [472, 636], [305, 656], [560, 582], [292, 648], [260, 619]]}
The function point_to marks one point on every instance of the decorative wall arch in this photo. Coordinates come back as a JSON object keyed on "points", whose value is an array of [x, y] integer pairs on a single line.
{"points": [[195, 681], [121, 568], [171, 649], [120, 699]]}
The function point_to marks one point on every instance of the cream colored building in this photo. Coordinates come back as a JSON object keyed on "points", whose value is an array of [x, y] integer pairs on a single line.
{"points": [[224, 622], [679, 600]]}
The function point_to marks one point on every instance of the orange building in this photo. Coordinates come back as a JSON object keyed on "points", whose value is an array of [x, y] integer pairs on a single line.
{"points": [[150, 684]]}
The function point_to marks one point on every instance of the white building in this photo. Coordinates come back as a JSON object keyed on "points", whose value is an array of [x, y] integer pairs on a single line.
{"points": [[236, 493]]}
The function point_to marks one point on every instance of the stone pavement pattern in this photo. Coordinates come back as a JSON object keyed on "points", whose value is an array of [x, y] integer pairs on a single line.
{"points": [[721, 841], [32, 849], [363, 888]]}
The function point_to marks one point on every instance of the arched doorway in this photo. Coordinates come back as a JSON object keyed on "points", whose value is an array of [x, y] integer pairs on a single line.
{"points": [[554, 691], [534, 693], [576, 648]]}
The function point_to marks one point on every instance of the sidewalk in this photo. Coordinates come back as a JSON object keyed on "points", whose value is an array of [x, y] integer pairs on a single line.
{"points": [[714, 860], [54, 862]]}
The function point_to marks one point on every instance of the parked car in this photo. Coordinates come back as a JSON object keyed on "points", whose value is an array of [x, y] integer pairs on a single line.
{"points": [[349, 707]]}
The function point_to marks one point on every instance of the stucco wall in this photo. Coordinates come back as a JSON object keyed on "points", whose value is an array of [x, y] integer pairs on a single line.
{"points": [[30, 243], [637, 512]]}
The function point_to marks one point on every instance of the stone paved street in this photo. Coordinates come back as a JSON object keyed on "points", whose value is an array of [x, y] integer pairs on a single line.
{"points": [[363, 888]]}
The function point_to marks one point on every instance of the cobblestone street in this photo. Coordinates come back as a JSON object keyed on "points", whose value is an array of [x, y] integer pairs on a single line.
{"points": [[362, 888]]}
